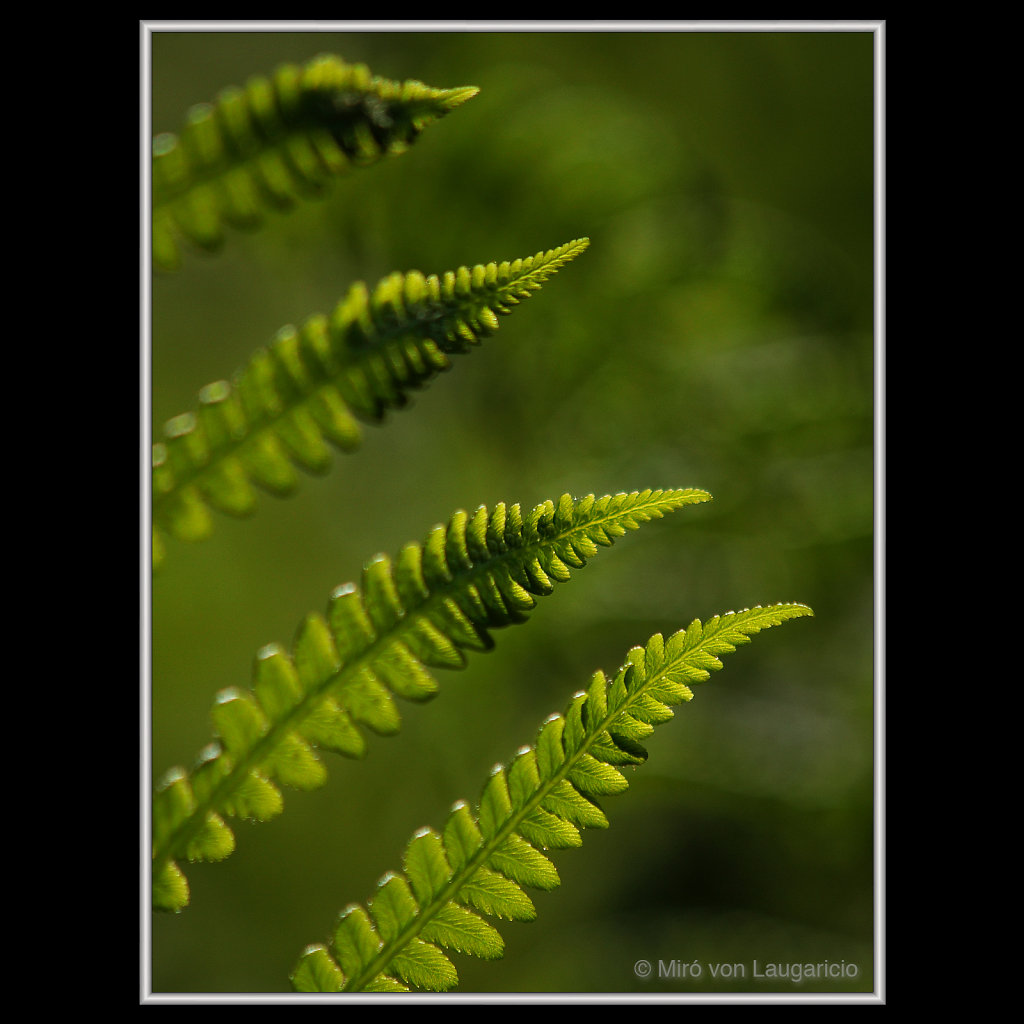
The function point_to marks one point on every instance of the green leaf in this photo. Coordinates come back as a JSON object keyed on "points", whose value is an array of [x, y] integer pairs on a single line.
{"points": [[170, 889], [307, 391], [455, 927], [424, 966], [524, 864], [425, 865], [492, 893], [377, 645], [214, 841], [355, 942], [316, 972], [485, 859], [276, 142]]}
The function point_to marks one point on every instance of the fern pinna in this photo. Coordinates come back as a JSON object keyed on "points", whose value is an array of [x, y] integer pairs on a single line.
{"points": [[312, 385], [278, 140], [483, 859], [423, 610]]}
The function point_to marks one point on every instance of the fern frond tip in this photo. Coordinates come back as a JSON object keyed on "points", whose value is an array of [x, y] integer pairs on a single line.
{"points": [[567, 252], [452, 98], [689, 495], [784, 609]]}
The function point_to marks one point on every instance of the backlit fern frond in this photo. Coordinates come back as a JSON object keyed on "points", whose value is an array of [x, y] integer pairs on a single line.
{"points": [[309, 389], [423, 610], [278, 140], [483, 859]]}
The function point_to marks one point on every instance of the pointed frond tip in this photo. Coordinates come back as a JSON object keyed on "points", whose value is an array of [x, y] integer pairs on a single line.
{"points": [[277, 141], [423, 610], [482, 861], [309, 390], [452, 98]]}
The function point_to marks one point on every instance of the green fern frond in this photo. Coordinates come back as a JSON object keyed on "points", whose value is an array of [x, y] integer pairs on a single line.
{"points": [[482, 860], [278, 140], [310, 388], [423, 610]]}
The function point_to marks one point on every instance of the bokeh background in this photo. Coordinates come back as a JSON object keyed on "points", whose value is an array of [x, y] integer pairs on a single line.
{"points": [[718, 333]]}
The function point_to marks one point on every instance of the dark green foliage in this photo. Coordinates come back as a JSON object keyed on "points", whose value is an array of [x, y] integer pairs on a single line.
{"points": [[278, 140], [424, 610], [482, 860], [312, 386]]}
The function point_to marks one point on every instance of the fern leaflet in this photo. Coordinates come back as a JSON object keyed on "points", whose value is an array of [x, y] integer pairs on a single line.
{"points": [[312, 385], [423, 610], [276, 141], [481, 861]]}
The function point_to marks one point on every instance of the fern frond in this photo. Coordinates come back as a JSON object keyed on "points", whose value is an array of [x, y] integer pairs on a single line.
{"points": [[279, 140], [310, 388], [482, 861], [423, 610]]}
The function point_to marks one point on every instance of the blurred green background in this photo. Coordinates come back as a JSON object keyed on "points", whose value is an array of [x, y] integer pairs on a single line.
{"points": [[718, 333]]}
